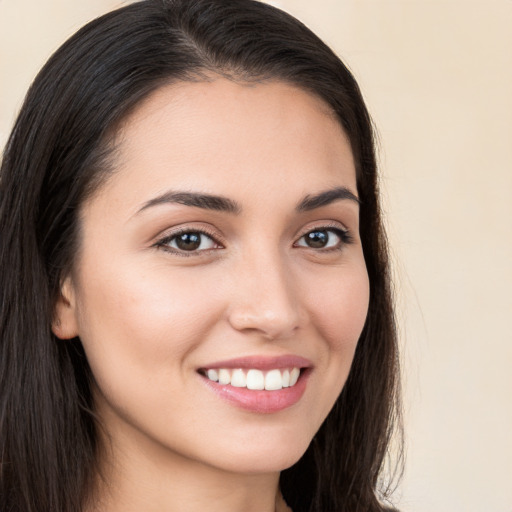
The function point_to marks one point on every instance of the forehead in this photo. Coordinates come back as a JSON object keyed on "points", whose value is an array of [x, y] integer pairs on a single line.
{"points": [[221, 135]]}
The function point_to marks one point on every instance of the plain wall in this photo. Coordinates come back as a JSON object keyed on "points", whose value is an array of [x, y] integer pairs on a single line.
{"points": [[437, 76]]}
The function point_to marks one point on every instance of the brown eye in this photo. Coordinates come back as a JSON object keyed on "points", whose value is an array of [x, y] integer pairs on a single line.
{"points": [[317, 239], [324, 239], [189, 241]]}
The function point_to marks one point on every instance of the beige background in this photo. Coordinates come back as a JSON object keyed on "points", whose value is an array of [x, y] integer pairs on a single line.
{"points": [[437, 76]]}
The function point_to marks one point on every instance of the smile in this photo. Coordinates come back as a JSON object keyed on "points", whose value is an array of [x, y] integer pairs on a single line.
{"points": [[259, 384], [255, 379]]}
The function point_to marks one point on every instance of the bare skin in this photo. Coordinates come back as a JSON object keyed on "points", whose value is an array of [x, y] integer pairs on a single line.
{"points": [[166, 285]]}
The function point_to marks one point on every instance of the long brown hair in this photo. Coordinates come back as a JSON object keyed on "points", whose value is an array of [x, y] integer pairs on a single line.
{"points": [[58, 154]]}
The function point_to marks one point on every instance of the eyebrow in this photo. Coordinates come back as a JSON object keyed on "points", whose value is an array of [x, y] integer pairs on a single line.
{"points": [[311, 202], [205, 201], [224, 204]]}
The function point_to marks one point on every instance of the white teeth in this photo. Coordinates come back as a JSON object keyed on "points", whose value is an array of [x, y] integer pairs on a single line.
{"points": [[294, 375], [271, 380], [238, 379], [224, 377], [255, 379], [213, 375]]}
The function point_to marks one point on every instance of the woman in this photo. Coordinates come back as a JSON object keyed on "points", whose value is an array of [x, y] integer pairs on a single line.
{"points": [[196, 308]]}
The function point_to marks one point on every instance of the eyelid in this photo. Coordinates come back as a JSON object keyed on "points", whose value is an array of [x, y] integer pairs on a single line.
{"points": [[329, 224], [340, 230], [164, 239]]}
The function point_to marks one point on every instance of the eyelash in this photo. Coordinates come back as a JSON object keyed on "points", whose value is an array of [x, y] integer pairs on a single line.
{"points": [[343, 234], [168, 239], [164, 243]]}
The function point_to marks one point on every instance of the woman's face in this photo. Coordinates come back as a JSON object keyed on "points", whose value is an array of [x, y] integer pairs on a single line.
{"points": [[222, 256]]}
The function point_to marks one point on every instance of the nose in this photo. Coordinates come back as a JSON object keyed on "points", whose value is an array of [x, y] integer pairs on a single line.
{"points": [[265, 299]]}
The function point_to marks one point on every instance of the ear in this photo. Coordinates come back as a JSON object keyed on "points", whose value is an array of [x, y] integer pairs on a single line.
{"points": [[64, 323]]}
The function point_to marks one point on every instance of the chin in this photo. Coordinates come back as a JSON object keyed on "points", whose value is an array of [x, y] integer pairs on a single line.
{"points": [[266, 457]]}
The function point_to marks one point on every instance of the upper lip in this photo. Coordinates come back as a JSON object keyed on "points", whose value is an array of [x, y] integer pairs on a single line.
{"points": [[261, 362]]}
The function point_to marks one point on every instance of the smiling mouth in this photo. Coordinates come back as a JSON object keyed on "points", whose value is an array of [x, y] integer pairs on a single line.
{"points": [[254, 379], [259, 384]]}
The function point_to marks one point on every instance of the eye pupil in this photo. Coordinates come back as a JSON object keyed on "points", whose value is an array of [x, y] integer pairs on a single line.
{"points": [[317, 239], [188, 241]]}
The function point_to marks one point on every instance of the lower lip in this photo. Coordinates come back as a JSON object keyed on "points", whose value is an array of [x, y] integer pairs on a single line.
{"points": [[260, 401]]}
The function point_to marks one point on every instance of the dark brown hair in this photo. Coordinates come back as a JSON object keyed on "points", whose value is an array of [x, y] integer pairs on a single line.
{"points": [[58, 154]]}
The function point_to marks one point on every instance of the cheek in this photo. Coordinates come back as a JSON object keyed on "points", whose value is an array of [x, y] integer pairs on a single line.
{"points": [[142, 321], [341, 306], [339, 315]]}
